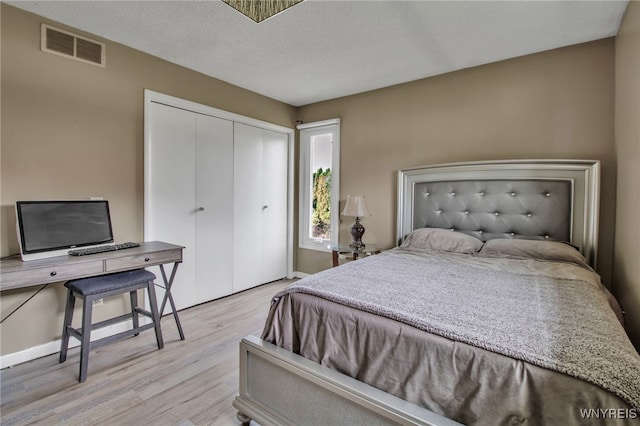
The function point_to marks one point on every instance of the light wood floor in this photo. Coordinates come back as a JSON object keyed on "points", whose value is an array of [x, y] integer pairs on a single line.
{"points": [[131, 382]]}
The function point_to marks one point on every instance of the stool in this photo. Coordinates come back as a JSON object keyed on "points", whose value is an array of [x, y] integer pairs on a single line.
{"points": [[90, 289]]}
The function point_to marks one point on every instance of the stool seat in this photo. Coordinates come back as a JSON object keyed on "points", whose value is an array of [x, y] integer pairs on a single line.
{"points": [[108, 283], [94, 288]]}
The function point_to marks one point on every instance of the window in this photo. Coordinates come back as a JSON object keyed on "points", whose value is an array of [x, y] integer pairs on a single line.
{"points": [[319, 184]]}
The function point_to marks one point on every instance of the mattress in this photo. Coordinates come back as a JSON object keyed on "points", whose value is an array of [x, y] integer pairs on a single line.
{"points": [[362, 320]]}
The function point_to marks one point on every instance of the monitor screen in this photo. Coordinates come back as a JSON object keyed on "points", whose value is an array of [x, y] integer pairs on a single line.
{"points": [[47, 226]]}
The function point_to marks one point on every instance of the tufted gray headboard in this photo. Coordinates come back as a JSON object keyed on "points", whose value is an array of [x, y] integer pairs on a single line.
{"points": [[543, 199]]}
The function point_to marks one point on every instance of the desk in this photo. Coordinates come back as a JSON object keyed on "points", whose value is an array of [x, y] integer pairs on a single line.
{"points": [[14, 273]]}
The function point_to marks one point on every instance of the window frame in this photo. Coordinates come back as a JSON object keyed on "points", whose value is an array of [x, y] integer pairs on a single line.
{"points": [[307, 131]]}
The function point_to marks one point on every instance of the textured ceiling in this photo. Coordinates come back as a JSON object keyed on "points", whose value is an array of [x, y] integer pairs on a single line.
{"points": [[324, 49]]}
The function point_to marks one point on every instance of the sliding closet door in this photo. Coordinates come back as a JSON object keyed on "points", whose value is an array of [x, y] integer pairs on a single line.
{"points": [[248, 207], [171, 192], [214, 207], [274, 195], [190, 199], [260, 206]]}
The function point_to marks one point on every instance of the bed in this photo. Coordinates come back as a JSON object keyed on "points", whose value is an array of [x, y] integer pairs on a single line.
{"points": [[487, 312]]}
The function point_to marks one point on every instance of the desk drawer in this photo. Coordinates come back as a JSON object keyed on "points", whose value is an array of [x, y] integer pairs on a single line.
{"points": [[50, 274], [143, 260]]}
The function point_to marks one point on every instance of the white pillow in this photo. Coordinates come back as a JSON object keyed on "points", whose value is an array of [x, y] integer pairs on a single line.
{"points": [[555, 251], [441, 240]]}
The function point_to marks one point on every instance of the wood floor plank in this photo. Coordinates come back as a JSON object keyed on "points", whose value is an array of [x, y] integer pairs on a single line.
{"points": [[191, 382]]}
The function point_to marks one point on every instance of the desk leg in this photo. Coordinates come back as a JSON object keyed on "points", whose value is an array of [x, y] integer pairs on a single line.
{"points": [[168, 296]]}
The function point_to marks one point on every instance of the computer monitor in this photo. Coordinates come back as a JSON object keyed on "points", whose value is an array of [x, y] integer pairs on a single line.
{"points": [[52, 228]]}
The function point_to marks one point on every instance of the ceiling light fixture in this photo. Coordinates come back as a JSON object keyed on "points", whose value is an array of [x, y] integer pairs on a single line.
{"points": [[259, 10]]}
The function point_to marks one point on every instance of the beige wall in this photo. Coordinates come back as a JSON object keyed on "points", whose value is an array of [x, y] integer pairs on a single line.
{"points": [[626, 275], [62, 119], [556, 104], [72, 130]]}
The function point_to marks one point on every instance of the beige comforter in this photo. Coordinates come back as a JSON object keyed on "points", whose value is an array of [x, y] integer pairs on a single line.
{"points": [[482, 341]]}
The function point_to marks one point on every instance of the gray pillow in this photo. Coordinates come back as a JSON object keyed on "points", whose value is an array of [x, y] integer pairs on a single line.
{"points": [[441, 240], [555, 251]]}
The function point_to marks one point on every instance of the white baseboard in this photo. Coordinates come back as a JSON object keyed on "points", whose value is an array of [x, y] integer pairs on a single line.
{"points": [[39, 351], [298, 274]]}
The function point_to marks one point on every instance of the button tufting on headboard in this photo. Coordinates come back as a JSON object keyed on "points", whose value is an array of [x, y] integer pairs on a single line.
{"points": [[496, 208]]}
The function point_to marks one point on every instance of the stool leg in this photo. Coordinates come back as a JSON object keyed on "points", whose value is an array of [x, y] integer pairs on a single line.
{"points": [[133, 295], [68, 317], [85, 343], [153, 303]]}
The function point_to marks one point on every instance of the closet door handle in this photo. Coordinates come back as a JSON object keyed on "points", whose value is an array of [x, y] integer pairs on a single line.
{"points": [[265, 207], [200, 209]]}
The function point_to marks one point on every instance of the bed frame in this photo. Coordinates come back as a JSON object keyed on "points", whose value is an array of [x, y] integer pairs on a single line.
{"points": [[542, 199]]}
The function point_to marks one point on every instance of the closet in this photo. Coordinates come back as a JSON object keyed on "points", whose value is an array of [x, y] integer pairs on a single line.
{"points": [[218, 184]]}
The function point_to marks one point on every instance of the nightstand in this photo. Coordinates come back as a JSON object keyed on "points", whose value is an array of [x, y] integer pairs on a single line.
{"points": [[368, 250]]}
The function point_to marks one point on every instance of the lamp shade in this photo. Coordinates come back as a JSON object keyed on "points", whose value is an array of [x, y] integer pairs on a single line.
{"points": [[356, 206]]}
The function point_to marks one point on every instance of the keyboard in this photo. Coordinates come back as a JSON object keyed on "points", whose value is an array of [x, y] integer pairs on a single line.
{"points": [[102, 249]]}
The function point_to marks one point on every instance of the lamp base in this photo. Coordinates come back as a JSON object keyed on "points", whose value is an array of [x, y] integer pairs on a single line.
{"points": [[357, 231]]}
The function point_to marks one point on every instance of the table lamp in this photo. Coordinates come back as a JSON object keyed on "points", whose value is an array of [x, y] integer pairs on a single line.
{"points": [[356, 206]]}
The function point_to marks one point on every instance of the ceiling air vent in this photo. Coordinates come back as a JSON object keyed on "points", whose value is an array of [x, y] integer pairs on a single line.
{"points": [[63, 43]]}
